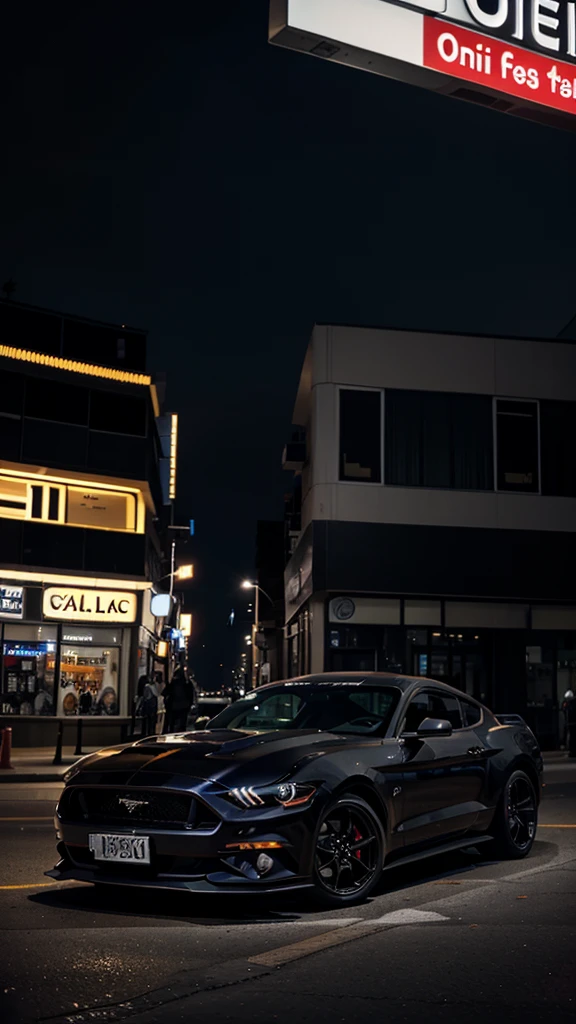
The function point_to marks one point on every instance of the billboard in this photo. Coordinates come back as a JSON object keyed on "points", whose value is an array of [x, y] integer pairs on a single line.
{"points": [[517, 56]]}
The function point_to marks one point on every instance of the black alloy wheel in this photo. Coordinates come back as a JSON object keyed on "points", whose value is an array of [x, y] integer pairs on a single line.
{"points": [[516, 817], [349, 852]]}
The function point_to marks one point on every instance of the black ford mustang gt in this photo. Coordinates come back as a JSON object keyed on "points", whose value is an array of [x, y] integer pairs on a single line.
{"points": [[318, 782]]}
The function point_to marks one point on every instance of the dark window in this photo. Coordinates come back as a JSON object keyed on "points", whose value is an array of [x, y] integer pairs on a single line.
{"points": [[53, 400], [470, 713], [557, 433], [438, 440], [118, 414], [11, 392], [36, 502], [114, 552], [53, 503], [10, 438], [55, 444], [57, 547], [432, 705], [360, 435], [517, 446], [119, 454]]}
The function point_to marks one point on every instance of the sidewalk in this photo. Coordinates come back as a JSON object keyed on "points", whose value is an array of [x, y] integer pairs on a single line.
{"points": [[34, 764]]}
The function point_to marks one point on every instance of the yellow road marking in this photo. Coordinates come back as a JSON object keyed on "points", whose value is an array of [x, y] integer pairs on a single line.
{"points": [[35, 817], [29, 885], [556, 826], [296, 950]]}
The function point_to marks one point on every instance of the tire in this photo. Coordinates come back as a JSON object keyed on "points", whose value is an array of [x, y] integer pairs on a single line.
{"points": [[516, 818], [348, 852]]}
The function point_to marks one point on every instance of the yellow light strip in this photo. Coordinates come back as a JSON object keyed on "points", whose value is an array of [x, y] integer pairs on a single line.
{"points": [[26, 474], [173, 455], [74, 366], [155, 402], [102, 583]]}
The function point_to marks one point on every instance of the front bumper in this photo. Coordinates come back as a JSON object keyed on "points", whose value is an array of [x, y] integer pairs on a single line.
{"points": [[224, 859]]}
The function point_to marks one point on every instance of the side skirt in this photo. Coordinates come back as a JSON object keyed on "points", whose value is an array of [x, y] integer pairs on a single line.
{"points": [[435, 851]]}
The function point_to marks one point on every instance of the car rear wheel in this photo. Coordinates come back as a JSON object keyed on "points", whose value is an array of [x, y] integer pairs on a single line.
{"points": [[516, 818], [349, 852]]}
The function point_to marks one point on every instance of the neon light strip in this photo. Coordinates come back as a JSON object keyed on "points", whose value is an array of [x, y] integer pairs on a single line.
{"points": [[73, 366]]}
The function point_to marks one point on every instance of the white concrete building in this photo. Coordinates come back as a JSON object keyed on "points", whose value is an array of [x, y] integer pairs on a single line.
{"points": [[438, 513]]}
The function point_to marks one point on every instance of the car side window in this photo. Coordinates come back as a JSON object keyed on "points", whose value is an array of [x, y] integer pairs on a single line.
{"points": [[470, 713], [416, 712], [443, 705], [432, 704]]}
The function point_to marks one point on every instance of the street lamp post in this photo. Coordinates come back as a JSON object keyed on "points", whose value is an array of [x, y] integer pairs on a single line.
{"points": [[249, 585]]}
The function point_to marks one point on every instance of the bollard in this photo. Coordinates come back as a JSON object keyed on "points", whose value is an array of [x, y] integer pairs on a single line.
{"points": [[58, 751], [78, 750], [6, 748]]}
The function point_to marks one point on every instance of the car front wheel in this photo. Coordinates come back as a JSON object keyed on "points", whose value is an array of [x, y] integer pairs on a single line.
{"points": [[349, 852], [516, 818]]}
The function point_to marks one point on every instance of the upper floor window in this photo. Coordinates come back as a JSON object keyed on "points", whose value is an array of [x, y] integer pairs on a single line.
{"points": [[436, 439], [517, 447], [361, 436]]}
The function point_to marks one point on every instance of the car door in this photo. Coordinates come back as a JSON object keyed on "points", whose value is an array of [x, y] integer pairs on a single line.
{"points": [[443, 777]]}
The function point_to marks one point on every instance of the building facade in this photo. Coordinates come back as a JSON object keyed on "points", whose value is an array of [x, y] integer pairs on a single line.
{"points": [[438, 532], [82, 511]]}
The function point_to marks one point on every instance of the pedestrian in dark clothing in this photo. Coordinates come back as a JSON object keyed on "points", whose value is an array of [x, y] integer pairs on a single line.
{"points": [[571, 721], [179, 696], [151, 706]]}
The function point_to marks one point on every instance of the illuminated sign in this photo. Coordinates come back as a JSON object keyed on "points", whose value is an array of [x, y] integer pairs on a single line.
{"points": [[519, 55], [161, 605], [71, 604], [55, 499], [173, 455], [11, 602], [24, 650]]}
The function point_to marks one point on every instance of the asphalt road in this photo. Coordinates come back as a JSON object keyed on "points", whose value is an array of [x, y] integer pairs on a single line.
{"points": [[450, 939]]}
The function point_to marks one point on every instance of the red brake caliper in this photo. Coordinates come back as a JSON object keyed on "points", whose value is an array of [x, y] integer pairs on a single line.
{"points": [[357, 837]]}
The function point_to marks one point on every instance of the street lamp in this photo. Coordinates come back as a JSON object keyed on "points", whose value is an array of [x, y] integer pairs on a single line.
{"points": [[250, 585]]}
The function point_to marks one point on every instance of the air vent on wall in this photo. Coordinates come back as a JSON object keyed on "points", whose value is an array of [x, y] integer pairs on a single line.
{"points": [[325, 49], [482, 98]]}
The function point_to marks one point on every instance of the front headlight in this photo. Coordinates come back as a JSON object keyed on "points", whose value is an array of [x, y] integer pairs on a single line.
{"points": [[288, 794]]}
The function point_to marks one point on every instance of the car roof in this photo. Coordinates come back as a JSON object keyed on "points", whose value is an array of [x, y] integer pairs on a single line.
{"points": [[403, 682]]}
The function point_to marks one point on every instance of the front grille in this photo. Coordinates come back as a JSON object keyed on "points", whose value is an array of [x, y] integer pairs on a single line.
{"points": [[157, 807]]}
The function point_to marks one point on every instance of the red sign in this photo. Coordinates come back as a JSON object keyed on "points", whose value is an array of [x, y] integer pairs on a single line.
{"points": [[488, 61]]}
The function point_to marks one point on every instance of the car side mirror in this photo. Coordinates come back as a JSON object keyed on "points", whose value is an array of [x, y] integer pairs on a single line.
{"points": [[201, 723], [430, 727], [435, 727]]}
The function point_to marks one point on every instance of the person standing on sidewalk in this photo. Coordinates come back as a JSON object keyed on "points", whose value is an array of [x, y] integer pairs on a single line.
{"points": [[571, 725], [151, 705], [179, 697]]}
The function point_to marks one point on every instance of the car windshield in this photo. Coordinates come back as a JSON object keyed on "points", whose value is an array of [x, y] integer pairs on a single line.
{"points": [[329, 707]]}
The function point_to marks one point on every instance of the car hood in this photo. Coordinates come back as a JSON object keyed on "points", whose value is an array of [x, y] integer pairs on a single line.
{"points": [[215, 755]]}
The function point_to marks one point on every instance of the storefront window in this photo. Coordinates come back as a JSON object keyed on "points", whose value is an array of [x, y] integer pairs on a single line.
{"points": [[28, 664], [89, 671]]}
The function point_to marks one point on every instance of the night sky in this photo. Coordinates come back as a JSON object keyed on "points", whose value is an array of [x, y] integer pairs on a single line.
{"points": [[163, 166]]}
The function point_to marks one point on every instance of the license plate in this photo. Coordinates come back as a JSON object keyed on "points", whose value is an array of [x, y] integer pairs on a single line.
{"points": [[122, 849]]}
